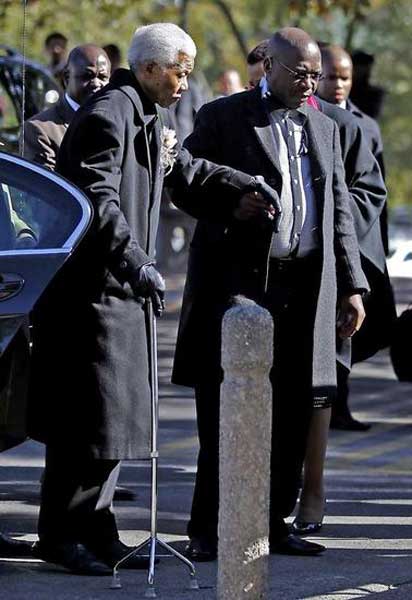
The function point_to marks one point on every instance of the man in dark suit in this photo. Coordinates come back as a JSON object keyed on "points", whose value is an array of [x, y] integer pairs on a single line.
{"points": [[91, 398], [86, 72], [300, 274], [335, 88]]}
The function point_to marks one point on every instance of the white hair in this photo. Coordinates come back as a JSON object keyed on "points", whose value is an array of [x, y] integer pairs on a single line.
{"points": [[160, 43]]}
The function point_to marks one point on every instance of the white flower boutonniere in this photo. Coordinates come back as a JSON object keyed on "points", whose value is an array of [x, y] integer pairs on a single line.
{"points": [[168, 150]]}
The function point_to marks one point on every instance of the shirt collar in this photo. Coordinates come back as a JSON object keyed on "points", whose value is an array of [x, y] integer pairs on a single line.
{"points": [[274, 104], [72, 103], [149, 107], [263, 84]]}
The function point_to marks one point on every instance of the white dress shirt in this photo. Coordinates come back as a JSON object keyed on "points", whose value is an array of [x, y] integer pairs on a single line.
{"points": [[299, 224], [74, 105]]}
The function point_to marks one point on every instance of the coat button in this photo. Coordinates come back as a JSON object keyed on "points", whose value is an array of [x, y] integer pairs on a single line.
{"points": [[123, 264]]}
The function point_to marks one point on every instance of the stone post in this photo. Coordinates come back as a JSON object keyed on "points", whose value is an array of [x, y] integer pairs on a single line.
{"points": [[245, 445]]}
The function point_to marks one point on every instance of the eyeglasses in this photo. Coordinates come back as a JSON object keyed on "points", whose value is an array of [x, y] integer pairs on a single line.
{"points": [[300, 76]]}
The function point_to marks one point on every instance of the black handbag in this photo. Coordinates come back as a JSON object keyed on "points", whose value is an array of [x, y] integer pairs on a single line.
{"points": [[400, 349]]}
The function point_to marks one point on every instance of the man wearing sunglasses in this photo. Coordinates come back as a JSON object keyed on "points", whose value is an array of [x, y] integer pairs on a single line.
{"points": [[300, 274]]}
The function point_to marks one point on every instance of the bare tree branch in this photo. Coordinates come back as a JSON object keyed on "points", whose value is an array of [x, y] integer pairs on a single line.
{"points": [[235, 29]]}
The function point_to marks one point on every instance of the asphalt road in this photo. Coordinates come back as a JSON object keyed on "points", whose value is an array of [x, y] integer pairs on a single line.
{"points": [[367, 529]]}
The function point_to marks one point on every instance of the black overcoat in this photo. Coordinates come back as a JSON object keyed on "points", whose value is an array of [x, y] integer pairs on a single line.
{"points": [[365, 182], [373, 136], [90, 381], [237, 131], [377, 330]]}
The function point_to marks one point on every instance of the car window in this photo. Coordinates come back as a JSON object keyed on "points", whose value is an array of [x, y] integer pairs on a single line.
{"points": [[42, 94], [34, 212], [408, 257], [8, 115]]}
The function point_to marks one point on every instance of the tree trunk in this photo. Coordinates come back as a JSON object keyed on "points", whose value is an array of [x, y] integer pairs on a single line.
{"points": [[235, 30], [184, 14]]}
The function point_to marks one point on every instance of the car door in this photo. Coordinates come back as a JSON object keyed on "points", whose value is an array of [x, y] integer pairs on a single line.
{"points": [[42, 220]]}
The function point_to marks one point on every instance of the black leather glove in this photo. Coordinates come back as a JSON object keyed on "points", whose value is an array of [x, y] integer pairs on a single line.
{"points": [[150, 284], [272, 197]]}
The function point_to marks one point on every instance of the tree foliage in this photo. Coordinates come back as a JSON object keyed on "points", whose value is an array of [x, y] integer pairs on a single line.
{"points": [[225, 29]]}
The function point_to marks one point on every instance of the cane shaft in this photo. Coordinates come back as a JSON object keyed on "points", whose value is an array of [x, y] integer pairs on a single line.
{"points": [[155, 416]]}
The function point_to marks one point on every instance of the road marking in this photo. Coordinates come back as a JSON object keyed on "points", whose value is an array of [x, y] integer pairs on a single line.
{"points": [[366, 543], [385, 501], [352, 593]]}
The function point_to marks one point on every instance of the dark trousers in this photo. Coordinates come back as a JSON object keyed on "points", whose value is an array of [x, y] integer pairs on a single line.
{"points": [[340, 407], [291, 299], [76, 497]]}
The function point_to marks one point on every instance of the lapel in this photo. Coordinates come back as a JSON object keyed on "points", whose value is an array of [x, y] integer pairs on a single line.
{"points": [[260, 122], [124, 80], [352, 108], [319, 144], [157, 169]]}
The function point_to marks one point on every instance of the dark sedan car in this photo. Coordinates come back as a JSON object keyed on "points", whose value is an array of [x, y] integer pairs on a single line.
{"points": [[42, 219]]}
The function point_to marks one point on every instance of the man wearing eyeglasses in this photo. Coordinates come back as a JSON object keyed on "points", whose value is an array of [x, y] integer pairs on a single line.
{"points": [[301, 274]]}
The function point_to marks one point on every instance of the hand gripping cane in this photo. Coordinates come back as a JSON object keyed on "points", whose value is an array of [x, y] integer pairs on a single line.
{"points": [[153, 540]]}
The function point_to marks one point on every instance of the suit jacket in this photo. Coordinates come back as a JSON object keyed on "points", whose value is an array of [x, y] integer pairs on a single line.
{"points": [[225, 260], [44, 133], [101, 369]]}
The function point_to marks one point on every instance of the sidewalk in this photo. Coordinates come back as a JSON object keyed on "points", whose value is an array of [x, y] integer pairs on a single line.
{"points": [[367, 529]]}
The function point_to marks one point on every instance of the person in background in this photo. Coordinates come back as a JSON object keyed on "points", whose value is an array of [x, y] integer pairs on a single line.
{"points": [[368, 97], [335, 87], [229, 83], [87, 71], [55, 47], [115, 56], [254, 60]]}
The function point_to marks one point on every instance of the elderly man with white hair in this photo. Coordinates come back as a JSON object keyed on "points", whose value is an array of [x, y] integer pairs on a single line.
{"points": [[91, 392]]}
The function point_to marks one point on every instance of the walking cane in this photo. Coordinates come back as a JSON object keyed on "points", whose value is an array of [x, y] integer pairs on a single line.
{"points": [[153, 540]]}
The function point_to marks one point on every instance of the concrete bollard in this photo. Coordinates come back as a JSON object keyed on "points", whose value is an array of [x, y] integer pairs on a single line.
{"points": [[245, 446]]}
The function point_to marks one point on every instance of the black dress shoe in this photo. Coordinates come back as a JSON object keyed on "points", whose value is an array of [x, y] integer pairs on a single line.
{"points": [[295, 546], [201, 550], [348, 423], [110, 554], [74, 557], [306, 527], [11, 548]]}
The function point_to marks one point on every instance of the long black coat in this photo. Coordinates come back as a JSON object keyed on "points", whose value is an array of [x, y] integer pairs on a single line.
{"points": [[223, 260], [377, 330], [90, 363], [365, 182], [372, 133]]}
